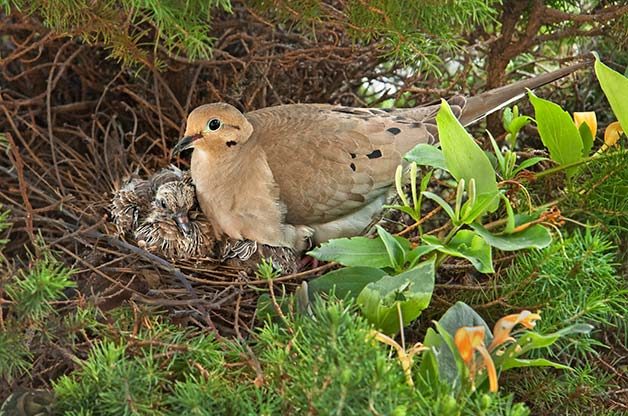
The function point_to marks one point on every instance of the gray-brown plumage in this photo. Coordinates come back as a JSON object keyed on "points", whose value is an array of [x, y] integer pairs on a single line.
{"points": [[132, 202], [172, 228], [34, 402], [247, 254], [284, 175]]}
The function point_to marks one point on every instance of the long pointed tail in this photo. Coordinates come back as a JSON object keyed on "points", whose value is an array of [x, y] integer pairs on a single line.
{"points": [[486, 103]]}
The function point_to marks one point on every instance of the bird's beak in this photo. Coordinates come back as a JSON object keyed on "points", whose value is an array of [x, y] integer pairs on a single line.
{"points": [[183, 222], [185, 143]]}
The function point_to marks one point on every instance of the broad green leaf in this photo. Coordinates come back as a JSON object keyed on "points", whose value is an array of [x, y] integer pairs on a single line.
{"points": [[536, 236], [427, 155], [345, 283], [450, 364], [442, 349], [615, 87], [395, 250], [587, 139], [469, 245], [461, 314], [416, 253], [463, 157], [357, 251], [558, 132], [537, 362], [411, 290]]}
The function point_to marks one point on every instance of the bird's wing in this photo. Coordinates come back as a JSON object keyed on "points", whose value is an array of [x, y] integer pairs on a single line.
{"points": [[329, 161]]}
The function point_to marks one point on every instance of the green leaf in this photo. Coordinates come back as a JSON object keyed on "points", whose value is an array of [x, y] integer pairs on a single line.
{"points": [[461, 314], [528, 163], [463, 157], [537, 362], [411, 290], [587, 139], [536, 236], [413, 256], [469, 245], [533, 340], [440, 201], [615, 87], [482, 203], [427, 155], [357, 251], [395, 250], [345, 283], [558, 132]]}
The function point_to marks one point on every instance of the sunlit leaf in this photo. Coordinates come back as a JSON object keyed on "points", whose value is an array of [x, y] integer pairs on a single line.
{"points": [[615, 87], [469, 245], [463, 157], [411, 291], [558, 132], [536, 236], [427, 155], [357, 251], [345, 283]]}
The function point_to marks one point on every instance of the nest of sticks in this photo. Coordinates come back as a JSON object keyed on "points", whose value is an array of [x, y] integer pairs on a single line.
{"points": [[75, 125]]}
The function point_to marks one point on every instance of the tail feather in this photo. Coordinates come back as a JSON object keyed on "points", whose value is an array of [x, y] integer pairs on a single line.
{"points": [[480, 106]]}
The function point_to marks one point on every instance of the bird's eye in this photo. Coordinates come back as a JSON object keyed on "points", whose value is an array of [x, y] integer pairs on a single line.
{"points": [[213, 124], [162, 203]]}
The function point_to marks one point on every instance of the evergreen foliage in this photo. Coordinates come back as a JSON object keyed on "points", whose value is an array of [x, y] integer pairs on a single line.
{"points": [[126, 27], [327, 363]]}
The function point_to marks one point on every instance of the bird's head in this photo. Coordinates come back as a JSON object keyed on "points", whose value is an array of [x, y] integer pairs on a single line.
{"points": [[174, 200], [216, 128]]}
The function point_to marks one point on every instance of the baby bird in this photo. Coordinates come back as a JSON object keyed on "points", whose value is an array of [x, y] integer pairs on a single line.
{"points": [[247, 254], [172, 228], [133, 201]]}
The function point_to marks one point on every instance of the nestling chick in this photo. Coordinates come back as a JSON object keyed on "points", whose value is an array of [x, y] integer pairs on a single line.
{"points": [[133, 201], [247, 254], [172, 228]]}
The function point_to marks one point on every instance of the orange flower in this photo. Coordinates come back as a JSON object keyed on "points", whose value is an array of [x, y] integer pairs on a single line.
{"points": [[587, 117], [612, 133], [503, 327], [469, 339]]}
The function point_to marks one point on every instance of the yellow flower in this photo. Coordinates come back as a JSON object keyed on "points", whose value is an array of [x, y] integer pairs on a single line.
{"points": [[468, 340], [586, 117], [503, 327], [404, 357], [612, 133]]}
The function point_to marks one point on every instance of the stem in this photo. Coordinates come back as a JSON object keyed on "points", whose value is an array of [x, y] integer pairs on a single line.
{"points": [[576, 163]]}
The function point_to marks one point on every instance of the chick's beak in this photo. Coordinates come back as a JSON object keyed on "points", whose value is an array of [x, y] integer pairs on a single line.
{"points": [[183, 222], [185, 143]]}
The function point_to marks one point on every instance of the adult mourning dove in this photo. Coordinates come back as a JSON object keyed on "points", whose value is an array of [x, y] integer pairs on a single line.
{"points": [[289, 174], [132, 202]]}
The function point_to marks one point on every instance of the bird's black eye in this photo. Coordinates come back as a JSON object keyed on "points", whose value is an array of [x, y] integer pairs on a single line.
{"points": [[162, 203], [213, 124]]}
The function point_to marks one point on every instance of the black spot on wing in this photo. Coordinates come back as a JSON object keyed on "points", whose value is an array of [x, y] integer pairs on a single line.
{"points": [[394, 130], [374, 154], [352, 166], [352, 155]]}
